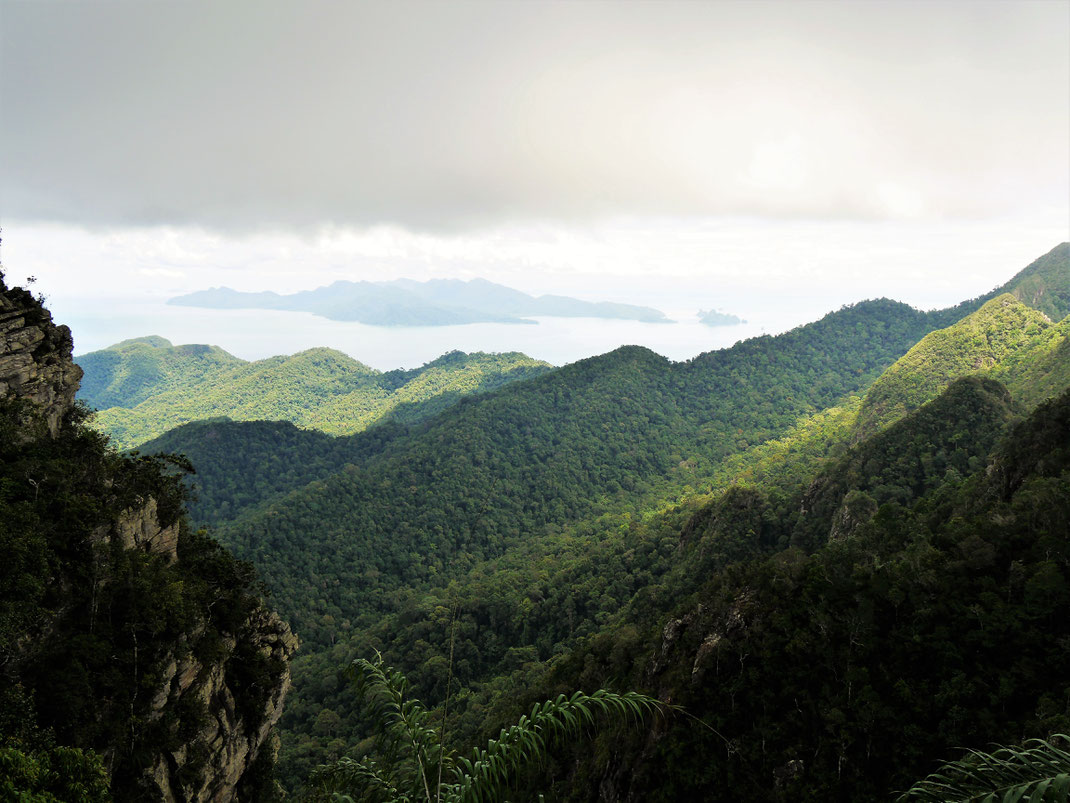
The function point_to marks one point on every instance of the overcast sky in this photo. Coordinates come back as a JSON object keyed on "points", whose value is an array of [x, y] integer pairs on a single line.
{"points": [[154, 146]]}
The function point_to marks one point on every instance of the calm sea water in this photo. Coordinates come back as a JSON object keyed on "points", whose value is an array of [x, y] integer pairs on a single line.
{"points": [[255, 334]]}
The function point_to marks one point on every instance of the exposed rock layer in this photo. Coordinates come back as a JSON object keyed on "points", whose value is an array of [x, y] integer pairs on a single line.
{"points": [[229, 739], [35, 356]]}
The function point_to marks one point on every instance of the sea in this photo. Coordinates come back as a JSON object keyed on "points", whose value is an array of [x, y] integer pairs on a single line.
{"points": [[256, 334]]}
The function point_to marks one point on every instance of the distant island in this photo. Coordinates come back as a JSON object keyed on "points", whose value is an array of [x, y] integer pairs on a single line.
{"points": [[405, 302], [715, 318]]}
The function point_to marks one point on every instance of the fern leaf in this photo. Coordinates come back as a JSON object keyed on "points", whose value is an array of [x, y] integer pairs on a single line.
{"points": [[1036, 772]]}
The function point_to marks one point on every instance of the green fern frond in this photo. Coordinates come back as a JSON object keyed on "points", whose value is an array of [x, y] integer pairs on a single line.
{"points": [[1036, 772], [411, 752], [365, 778], [489, 769]]}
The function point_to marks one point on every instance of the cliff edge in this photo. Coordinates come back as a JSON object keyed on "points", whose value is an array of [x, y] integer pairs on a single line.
{"points": [[124, 635]]}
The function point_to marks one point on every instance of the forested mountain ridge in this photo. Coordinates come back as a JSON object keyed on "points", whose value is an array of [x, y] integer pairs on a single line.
{"points": [[137, 661], [144, 387], [128, 373], [496, 468], [1044, 285], [976, 344], [842, 673], [242, 464], [536, 605], [538, 520]]}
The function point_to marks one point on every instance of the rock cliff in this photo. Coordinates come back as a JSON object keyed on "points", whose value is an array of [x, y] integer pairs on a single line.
{"points": [[137, 638], [235, 730], [35, 356]]}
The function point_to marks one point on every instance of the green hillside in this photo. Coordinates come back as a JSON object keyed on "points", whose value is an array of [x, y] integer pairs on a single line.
{"points": [[241, 464], [555, 590], [130, 372], [843, 673], [1041, 371], [996, 332], [1043, 285], [594, 436], [145, 387]]}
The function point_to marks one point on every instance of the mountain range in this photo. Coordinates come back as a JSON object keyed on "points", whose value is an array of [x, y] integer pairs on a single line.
{"points": [[145, 386], [405, 302], [843, 551]]}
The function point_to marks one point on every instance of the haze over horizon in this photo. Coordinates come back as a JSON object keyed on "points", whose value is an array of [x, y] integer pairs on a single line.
{"points": [[774, 160]]}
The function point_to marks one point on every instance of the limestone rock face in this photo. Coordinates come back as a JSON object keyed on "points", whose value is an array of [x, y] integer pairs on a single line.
{"points": [[140, 528], [234, 733], [35, 356]]}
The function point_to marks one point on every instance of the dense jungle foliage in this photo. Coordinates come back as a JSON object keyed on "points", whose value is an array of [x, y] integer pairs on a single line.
{"points": [[843, 673], [591, 437], [844, 549], [527, 521], [87, 625], [145, 386]]}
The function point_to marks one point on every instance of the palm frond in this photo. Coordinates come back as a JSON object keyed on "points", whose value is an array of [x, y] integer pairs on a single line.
{"points": [[413, 765], [364, 778], [1036, 772], [487, 772], [405, 726]]}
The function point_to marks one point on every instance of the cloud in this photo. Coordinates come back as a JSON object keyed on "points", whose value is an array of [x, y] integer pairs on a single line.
{"points": [[472, 114]]}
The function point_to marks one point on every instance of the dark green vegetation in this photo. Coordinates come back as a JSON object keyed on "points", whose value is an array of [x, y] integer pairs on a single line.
{"points": [[136, 658], [715, 318], [87, 625], [592, 437], [146, 386], [556, 526], [846, 549], [1038, 771], [404, 302], [840, 673], [273, 457], [410, 760]]}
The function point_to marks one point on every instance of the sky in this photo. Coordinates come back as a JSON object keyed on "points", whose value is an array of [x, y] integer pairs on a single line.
{"points": [[716, 152]]}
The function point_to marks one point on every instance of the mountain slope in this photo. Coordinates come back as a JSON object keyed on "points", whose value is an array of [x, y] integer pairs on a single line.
{"points": [[1043, 285], [977, 343], [132, 371], [533, 475], [156, 386], [241, 464], [498, 468], [842, 674], [607, 580]]}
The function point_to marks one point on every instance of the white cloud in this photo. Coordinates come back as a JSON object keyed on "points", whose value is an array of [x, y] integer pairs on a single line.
{"points": [[472, 115]]}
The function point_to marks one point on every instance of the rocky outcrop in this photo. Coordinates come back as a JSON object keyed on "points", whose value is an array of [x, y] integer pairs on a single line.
{"points": [[236, 729], [202, 688], [35, 356], [140, 528], [857, 510]]}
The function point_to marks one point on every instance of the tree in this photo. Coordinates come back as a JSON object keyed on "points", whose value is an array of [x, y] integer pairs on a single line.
{"points": [[413, 764]]}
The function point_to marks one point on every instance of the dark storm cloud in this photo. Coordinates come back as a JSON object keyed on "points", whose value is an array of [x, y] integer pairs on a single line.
{"points": [[243, 114]]}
